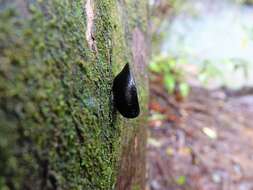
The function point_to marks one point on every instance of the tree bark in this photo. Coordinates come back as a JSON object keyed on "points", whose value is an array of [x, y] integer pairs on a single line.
{"points": [[58, 126]]}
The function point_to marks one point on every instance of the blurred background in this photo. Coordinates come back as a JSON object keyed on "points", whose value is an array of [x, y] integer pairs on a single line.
{"points": [[201, 102]]}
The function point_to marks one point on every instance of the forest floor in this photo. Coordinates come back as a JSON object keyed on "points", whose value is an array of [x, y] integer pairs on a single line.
{"points": [[204, 142]]}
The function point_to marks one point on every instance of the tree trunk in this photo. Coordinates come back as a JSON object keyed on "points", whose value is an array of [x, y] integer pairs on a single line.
{"points": [[58, 125]]}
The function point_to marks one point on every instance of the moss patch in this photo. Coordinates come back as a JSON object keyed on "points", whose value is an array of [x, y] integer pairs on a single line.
{"points": [[57, 129]]}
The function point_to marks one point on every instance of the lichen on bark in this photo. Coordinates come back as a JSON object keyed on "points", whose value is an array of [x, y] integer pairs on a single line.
{"points": [[58, 127]]}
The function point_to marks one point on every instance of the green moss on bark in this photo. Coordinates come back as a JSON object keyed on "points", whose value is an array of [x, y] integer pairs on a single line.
{"points": [[58, 129], [55, 100]]}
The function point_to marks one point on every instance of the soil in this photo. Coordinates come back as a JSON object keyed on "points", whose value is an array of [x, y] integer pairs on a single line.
{"points": [[202, 142]]}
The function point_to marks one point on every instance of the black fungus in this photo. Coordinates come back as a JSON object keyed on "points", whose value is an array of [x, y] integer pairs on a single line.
{"points": [[125, 94]]}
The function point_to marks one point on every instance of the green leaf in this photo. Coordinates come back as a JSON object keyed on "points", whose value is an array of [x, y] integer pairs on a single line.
{"points": [[181, 180], [170, 83], [184, 89], [172, 62], [154, 67], [157, 116]]}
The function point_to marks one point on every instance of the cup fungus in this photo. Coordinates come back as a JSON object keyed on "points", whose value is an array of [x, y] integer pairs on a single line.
{"points": [[125, 96]]}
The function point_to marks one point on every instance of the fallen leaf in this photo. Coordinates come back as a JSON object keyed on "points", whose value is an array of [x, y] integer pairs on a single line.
{"points": [[154, 142], [169, 151], [211, 133]]}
